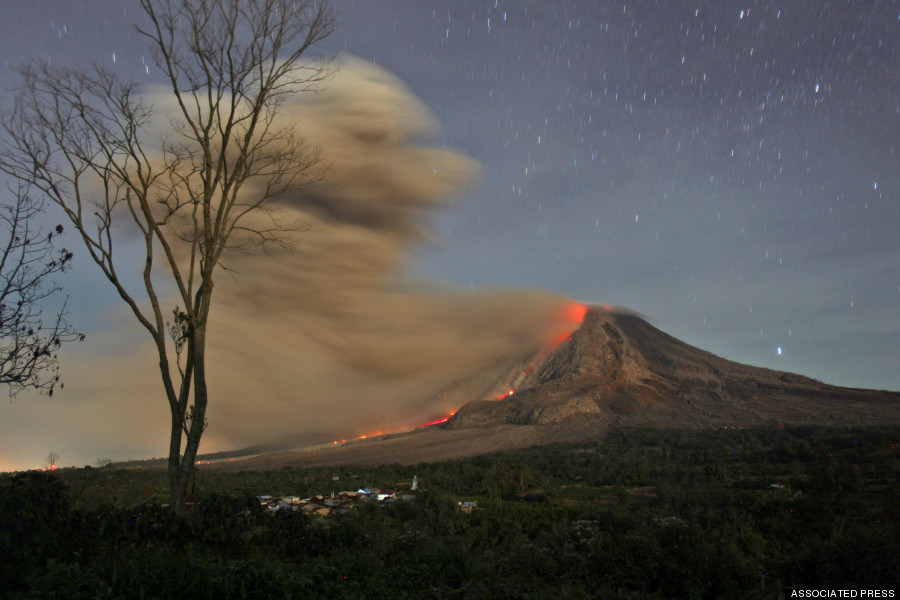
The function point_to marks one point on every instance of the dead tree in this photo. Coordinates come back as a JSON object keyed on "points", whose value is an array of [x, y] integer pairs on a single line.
{"points": [[52, 459], [29, 259], [86, 139]]}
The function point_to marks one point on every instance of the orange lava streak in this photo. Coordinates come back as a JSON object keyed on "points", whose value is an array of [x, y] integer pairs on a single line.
{"points": [[401, 430], [438, 421], [572, 317], [575, 313]]}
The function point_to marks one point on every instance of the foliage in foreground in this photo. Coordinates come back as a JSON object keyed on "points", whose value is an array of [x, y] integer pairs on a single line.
{"points": [[664, 514]]}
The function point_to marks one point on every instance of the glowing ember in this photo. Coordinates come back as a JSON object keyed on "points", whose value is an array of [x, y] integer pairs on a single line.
{"points": [[506, 394]]}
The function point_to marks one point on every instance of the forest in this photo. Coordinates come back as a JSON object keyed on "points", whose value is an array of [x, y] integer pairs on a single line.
{"points": [[643, 513]]}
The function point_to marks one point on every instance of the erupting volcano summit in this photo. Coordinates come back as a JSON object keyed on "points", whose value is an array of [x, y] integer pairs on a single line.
{"points": [[615, 370]]}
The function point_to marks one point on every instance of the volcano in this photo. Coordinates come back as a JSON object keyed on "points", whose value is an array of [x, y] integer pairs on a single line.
{"points": [[620, 370], [616, 370]]}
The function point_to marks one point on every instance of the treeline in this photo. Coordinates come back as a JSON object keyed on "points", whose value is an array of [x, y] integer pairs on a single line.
{"points": [[734, 513]]}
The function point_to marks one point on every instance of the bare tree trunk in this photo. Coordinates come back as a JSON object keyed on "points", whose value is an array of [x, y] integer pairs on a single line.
{"points": [[197, 422], [86, 140], [176, 490], [192, 421]]}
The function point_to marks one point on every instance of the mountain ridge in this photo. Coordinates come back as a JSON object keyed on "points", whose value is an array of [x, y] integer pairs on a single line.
{"points": [[615, 370], [619, 367]]}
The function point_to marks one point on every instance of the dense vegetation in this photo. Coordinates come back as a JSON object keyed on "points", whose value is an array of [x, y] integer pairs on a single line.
{"points": [[643, 513]]}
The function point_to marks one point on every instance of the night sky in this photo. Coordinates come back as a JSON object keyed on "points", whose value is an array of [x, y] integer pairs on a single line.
{"points": [[729, 170]]}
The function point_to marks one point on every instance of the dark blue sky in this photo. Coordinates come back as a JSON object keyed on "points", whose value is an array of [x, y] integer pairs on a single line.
{"points": [[729, 170]]}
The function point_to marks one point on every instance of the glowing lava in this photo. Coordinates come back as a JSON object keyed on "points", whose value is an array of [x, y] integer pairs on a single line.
{"points": [[570, 319], [438, 421], [575, 313], [401, 430]]}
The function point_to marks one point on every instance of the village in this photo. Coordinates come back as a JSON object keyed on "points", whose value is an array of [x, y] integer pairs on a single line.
{"points": [[342, 503]]}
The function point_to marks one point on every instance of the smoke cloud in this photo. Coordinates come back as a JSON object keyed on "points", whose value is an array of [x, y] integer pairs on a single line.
{"points": [[329, 339], [329, 336]]}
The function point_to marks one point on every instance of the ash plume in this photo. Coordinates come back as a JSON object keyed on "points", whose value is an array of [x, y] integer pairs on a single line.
{"points": [[328, 336], [325, 338]]}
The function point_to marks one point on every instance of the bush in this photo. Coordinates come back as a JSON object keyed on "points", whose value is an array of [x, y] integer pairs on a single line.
{"points": [[34, 524]]}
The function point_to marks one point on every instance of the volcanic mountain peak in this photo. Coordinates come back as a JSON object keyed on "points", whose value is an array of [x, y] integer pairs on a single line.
{"points": [[618, 369], [615, 370]]}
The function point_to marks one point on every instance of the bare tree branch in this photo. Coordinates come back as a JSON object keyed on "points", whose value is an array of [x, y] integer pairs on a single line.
{"points": [[85, 140], [28, 260]]}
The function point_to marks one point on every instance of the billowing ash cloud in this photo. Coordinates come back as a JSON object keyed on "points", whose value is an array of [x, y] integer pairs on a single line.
{"points": [[327, 338]]}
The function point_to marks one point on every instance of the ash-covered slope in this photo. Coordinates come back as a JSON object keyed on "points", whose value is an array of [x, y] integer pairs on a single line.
{"points": [[616, 370], [619, 369]]}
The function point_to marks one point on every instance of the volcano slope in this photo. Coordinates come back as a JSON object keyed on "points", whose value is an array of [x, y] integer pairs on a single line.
{"points": [[615, 370]]}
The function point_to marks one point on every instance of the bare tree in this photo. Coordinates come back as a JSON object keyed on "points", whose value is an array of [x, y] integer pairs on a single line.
{"points": [[85, 139], [52, 459], [28, 260]]}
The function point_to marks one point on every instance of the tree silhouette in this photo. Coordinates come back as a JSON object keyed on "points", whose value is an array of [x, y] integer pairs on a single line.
{"points": [[52, 459], [28, 260], [86, 139]]}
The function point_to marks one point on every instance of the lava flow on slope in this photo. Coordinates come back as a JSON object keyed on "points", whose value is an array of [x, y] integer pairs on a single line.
{"points": [[570, 318], [614, 370]]}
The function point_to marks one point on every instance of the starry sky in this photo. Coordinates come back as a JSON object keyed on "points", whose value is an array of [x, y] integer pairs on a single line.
{"points": [[730, 170]]}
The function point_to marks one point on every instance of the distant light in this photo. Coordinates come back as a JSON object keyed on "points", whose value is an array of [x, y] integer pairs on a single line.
{"points": [[779, 350]]}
